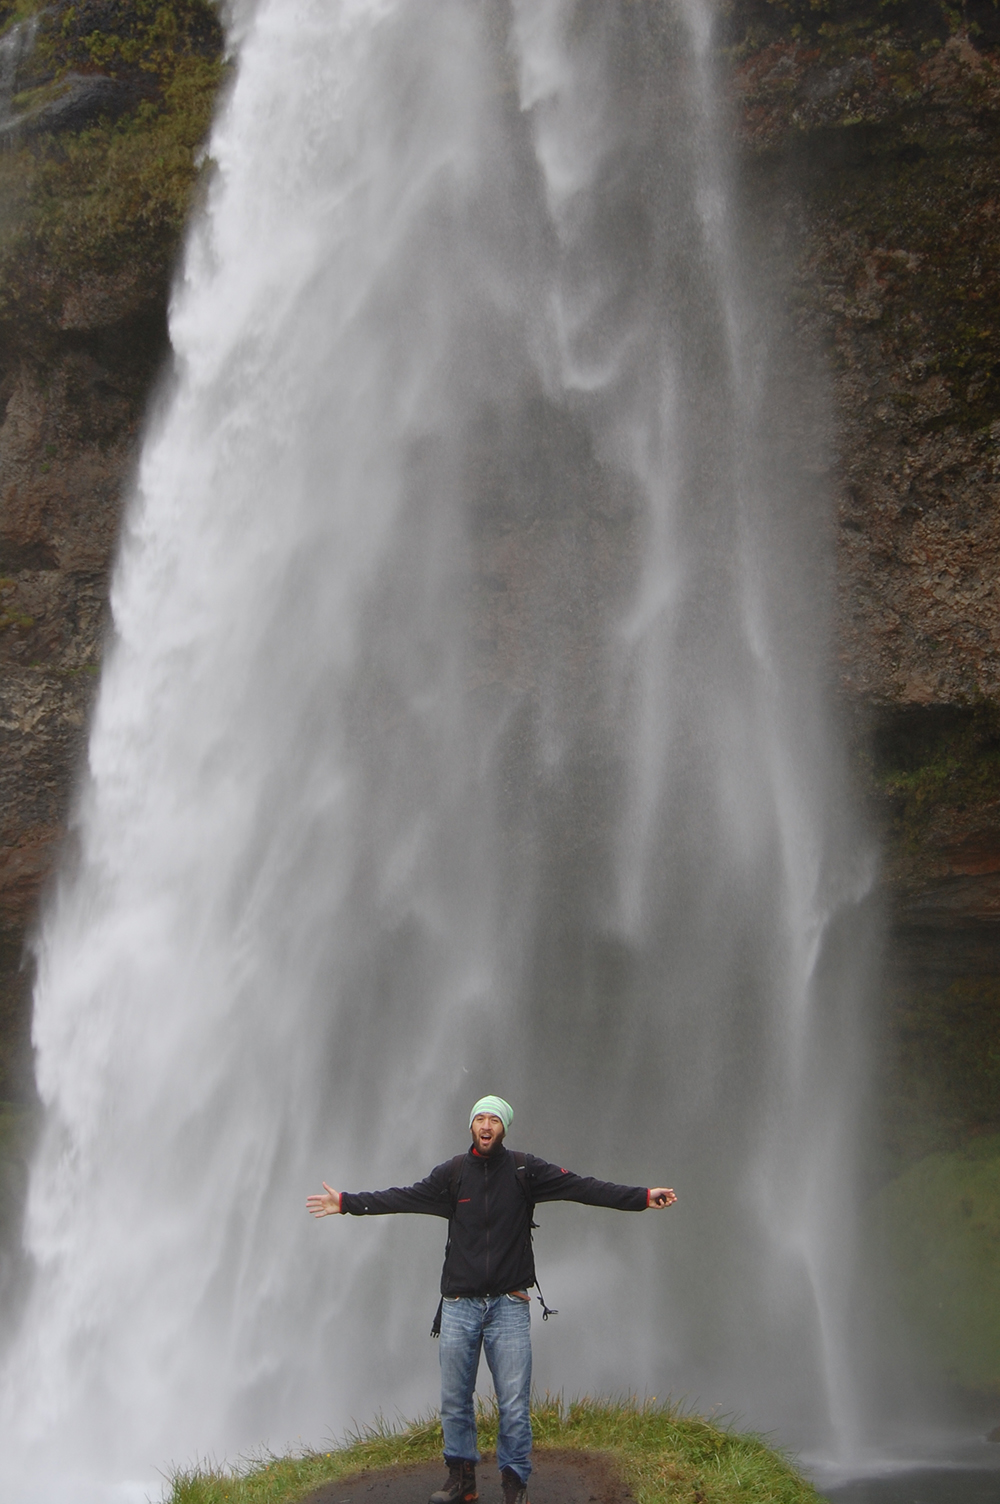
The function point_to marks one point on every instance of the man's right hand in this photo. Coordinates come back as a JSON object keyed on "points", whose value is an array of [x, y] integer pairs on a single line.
{"points": [[326, 1205]]}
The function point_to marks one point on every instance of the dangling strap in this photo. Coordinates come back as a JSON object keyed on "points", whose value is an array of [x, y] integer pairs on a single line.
{"points": [[547, 1311], [521, 1160], [436, 1327]]}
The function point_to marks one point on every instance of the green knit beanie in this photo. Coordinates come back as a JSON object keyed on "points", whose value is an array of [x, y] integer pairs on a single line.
{"points": [[497, 1107]]}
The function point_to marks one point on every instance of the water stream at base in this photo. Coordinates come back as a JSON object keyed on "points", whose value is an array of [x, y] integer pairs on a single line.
{"points": [[464, 728], [944, 1485]]}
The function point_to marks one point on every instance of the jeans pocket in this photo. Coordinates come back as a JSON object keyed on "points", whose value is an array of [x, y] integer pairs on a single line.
{"points": [[519, 1295], [451, 1297]]}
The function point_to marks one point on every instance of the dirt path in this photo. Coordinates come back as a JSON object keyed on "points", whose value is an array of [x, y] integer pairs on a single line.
{"points": [[559, 1478]]}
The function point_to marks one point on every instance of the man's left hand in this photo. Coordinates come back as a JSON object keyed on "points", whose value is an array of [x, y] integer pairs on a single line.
{"points": [[660, 1196]]}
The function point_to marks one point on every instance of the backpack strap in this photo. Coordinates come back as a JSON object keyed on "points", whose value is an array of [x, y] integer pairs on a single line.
{"points": [[520, 1163], [521, 1171]]}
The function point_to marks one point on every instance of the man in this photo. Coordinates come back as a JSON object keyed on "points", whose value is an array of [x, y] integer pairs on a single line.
{"points": [[487, 1195]]}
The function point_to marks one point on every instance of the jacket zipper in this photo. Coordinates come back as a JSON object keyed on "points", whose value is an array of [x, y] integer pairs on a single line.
{"points": [[486, 1218]]}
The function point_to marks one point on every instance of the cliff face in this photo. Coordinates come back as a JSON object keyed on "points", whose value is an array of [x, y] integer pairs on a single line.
{"points": [[873, 132], [59, 514], [102, 105]]}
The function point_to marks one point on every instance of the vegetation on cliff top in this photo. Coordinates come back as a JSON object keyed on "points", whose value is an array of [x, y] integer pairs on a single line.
{"points": [[93, 215], [664, 1455]]}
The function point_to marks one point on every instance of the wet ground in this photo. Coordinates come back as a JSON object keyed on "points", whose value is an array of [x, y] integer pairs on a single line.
{"points": [[588, 1478], [557, 1478]]}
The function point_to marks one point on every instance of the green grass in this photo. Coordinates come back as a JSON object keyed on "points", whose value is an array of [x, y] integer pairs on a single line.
{"points": [[664, 1453]]}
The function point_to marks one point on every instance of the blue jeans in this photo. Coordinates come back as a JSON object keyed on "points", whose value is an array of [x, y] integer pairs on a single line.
{"points": [[502, 1325]]}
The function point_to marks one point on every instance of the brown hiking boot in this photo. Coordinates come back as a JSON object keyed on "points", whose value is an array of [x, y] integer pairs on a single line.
{"points": [[514, 1491], [460, 1487]]}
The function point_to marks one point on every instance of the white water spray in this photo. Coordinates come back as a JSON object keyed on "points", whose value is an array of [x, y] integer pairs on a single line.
{"points": [[463, 730]]}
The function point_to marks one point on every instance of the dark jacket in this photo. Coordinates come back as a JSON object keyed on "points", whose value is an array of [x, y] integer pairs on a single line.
{"points": [[489, 1236]]}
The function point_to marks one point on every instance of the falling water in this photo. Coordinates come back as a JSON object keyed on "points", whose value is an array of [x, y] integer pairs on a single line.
{"points": [[463, 729], [15, 45]]}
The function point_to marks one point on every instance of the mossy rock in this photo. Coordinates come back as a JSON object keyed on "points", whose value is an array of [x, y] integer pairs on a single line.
{"points": [[940, 1226], [849, 23], [101, 163], [930, 766]]}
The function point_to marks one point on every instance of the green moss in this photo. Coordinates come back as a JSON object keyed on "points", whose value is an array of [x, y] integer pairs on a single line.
{"points": [[12, 11], [940, 1225], [10, 616], [122, 36], [845, 24], [111, 200], [928, 761], [664, 1455]]}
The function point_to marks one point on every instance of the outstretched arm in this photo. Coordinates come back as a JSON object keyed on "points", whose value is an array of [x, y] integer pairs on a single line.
{"points": [[550, 1183], [324, 1206], [431, 1196]]}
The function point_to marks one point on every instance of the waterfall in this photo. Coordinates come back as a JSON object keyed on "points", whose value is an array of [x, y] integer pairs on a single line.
{"points": [[15, 45], [464, 728]]}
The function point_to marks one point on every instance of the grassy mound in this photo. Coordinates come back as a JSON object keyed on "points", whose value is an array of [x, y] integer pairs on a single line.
{"points": [[664, 1455]]}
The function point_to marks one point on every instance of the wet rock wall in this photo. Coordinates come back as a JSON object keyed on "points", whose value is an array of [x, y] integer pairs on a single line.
{"points": [[102, 107]]}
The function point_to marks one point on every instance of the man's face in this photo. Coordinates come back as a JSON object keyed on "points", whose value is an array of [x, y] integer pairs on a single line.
{"points": [[487, 1132]]}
